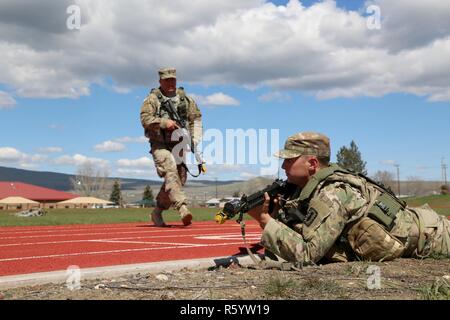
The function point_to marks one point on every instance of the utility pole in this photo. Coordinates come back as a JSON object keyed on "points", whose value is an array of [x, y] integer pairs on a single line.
{"points": [[398, 178], [444, 171], [216, 188]]}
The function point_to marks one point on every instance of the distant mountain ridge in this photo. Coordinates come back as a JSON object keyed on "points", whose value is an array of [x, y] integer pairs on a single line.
{"points": [[61, 181]]}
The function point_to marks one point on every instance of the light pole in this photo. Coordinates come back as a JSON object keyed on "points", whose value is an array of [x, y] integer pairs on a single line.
{"points": [[398, 179], [216, 188]]}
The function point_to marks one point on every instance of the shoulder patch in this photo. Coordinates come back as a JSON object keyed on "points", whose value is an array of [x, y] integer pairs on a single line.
{"points": [[310, 216]]}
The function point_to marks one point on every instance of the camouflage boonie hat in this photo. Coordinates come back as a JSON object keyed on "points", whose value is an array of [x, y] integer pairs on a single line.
{"points": [[305, 143], [166, 73]]}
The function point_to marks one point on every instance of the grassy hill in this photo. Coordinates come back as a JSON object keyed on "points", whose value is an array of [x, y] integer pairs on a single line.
{"points": [[62, 181]]}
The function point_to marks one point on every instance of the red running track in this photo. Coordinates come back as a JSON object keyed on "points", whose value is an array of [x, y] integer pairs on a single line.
{"points": [[49, 248]]}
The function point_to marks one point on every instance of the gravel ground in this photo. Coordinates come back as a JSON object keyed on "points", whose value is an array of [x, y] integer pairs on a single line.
{"points": [[401, 279]]}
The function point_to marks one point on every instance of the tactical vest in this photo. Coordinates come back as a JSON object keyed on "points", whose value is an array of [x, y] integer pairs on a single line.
{"points": [[383, 205], [162, 137], [182, 106]]}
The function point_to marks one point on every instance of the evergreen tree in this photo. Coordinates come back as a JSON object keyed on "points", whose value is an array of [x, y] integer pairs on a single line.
{"points": [[148, 194], [350, 158], [116, 194]]}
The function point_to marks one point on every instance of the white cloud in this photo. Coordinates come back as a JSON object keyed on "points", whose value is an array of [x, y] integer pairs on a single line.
{"points": [[388, 162], [121, 90], [37, 158], [6, 100], [29, 166], [137, 173], [141, 163], [247, 175], [276, 96], [78, 160], [322, 49], [13, 156], [214, 100], [56, 126], [141, 139], [109, 146], [51, 150], [8, 155]]}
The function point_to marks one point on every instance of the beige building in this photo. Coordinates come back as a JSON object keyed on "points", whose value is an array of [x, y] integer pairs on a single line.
{"points": [[18, 203], [83, 203]]}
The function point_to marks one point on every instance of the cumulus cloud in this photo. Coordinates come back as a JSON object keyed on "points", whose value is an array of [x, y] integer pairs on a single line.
{"points": [[6, 100], [141, 163], [276, 96], [50, 150], [388, 162], [78, 160], [8, 155], [109, 146], [121, 90], [248, 175], [216, 99], [141, 139], [137, 173], [12, 156], [322, 49]]}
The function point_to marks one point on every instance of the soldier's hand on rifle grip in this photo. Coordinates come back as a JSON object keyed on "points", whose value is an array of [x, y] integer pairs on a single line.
{"points": [[171, 125], [276, 206], [265, 217]]}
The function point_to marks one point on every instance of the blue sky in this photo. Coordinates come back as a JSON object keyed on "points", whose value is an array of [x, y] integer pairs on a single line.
{"points": [[390, 96]]}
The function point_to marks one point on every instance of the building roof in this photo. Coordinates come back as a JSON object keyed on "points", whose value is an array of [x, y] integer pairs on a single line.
{"points": [[17, 200], [32, 192], [85, 200]]}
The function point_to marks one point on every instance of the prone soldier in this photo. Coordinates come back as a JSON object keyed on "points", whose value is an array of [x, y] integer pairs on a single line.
{"points": [[334, 215]]}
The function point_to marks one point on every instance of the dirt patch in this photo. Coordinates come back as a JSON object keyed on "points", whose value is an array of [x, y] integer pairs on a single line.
{"points": [[400, 279]]}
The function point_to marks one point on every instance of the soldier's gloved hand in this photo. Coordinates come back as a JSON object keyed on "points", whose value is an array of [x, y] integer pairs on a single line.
{"points": [[276, 206], [265, 217], [171, 125]]}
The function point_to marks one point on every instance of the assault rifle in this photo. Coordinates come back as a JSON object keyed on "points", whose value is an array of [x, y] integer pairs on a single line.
{"points": [[246, 203], [173, 114]]}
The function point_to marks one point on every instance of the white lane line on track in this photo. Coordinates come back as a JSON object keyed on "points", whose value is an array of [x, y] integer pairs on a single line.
{"points": [[38, 229], [148, 242], [126, 232], [198, 236], [114, 251]]}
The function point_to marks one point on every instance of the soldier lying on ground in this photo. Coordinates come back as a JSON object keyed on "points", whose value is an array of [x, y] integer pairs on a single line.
{"points": [[344, 215]]}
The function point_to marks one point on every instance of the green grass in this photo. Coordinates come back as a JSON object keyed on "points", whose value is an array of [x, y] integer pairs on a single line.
{"points": [[98, 216], [440, 203], [279, 286], [439, 290]]}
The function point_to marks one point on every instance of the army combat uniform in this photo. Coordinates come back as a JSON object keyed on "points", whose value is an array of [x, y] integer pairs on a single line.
{"points": [[342, 216], [154, 119]]}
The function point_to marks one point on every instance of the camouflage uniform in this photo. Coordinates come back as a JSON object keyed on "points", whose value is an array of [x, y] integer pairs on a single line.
{"points": [[340, 222], [154, 120]]}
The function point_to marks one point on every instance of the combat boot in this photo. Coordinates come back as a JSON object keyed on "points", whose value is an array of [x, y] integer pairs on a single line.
{"points": [[185, 215], [157, 218]]}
